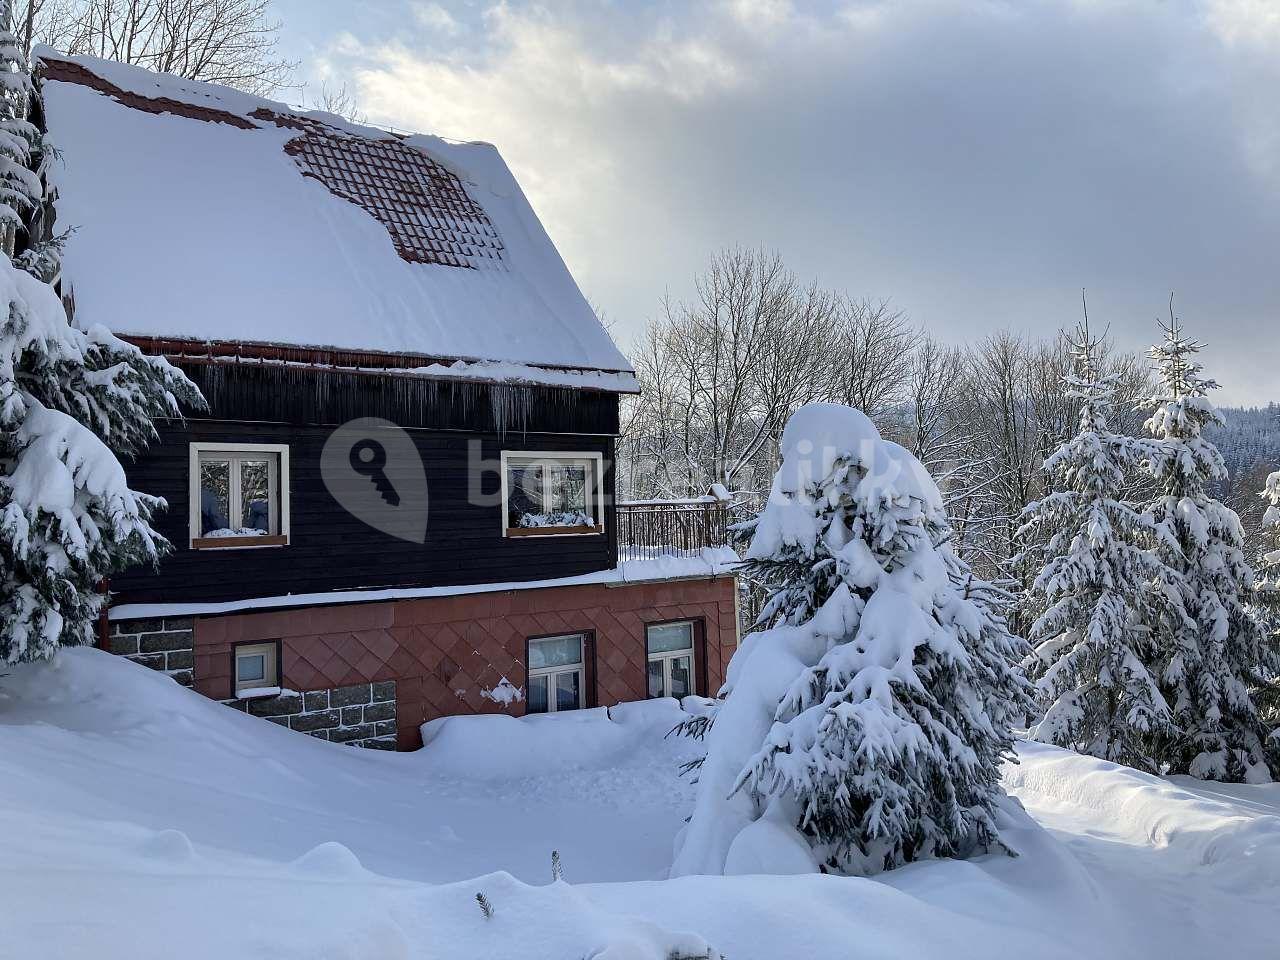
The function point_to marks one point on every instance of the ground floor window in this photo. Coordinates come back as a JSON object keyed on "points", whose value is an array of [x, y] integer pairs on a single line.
{"points": [[670, 649], [257, 669], [556, 671]]}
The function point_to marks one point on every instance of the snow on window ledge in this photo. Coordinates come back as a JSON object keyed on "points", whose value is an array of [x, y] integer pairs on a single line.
{"points": [[225, 532], [562, 518], [257, 693]]}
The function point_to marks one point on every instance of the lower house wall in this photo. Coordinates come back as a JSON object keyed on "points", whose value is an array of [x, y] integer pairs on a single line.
{"points": [[362, 715], [443, 656], [166, 645]]}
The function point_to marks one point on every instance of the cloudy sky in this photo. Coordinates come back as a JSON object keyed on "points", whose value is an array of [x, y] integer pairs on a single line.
{"points": [[976, 161]]}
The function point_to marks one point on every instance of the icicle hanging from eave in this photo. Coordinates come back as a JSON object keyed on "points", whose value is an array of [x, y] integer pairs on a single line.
{"points": [[278, 393]]}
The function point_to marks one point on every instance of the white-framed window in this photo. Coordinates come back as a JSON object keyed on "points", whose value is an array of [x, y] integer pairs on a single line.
{"points": [[556, 673], [256, 669], [551, 494], [239, 495], [670, 653]]}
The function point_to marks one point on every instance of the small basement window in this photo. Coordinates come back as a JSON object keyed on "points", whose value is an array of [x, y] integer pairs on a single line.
{"points": [[555, 674], [257, 670], [670, 652], [551, 494], [239, 495]]}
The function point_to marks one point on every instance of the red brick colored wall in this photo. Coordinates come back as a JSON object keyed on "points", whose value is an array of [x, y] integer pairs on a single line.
{"points": [[443, 651]]}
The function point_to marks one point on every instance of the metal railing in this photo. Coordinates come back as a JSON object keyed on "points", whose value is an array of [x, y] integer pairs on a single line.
{"points": [[671, 528]]}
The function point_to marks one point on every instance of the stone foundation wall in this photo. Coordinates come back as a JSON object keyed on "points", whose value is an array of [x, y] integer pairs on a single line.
{"points": [[166, 645], [360, 715]]}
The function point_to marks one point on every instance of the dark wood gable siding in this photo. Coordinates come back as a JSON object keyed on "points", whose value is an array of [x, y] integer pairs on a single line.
{"points": [[277, 393], [329, 548]]}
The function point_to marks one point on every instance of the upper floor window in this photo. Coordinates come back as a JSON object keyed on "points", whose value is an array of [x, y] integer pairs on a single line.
{"points": [[549, 494], [239, 495]]}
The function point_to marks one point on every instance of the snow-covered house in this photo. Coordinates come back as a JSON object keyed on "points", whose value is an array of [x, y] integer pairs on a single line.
{"points": [[398, 505]]}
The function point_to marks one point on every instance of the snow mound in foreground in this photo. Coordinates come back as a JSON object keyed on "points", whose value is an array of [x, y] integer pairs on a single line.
{"points": [[139, 816], [1201, 831]]}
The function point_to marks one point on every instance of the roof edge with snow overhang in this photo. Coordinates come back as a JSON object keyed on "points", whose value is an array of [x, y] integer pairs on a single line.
{"points": [[711, 562]]}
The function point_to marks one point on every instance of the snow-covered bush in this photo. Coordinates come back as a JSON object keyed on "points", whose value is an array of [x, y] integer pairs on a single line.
{"points": [[865, 728], [1095, 663], [1216, 654]]}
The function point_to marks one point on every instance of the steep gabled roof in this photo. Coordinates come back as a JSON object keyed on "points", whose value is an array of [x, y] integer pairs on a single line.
{"points": [[200, 213]]}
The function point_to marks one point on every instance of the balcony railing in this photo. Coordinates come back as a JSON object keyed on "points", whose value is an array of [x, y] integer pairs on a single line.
{"points": [[671, 528]]}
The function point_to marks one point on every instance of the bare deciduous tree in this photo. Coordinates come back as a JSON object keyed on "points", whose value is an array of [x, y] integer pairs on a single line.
{"points": [[341, 101], [232, 42], [722, 372], [874, 355]]}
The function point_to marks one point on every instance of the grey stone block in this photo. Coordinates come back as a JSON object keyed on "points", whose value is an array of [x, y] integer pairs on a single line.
{"points": [[283, 721], [153, 660], [124, 644], [380, 743], [352, 715], [182, 677], [162, 642], [310, 722], [239, 705], [318, 734], [141, 626], [349, 696], [179, 623], [380, 711], [316, 700], [384, 728], [181, 660], [284, 705], [384, 690], [346, 734]]}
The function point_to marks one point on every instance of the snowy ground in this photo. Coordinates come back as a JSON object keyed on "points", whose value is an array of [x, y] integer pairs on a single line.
{"points": [[139, 820]]}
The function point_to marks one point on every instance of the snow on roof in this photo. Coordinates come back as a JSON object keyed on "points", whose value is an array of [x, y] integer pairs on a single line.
{"points": [[202, 213]]}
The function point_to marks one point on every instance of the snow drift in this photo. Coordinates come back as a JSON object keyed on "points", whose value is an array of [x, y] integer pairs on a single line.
{"points": [[138, 817]]}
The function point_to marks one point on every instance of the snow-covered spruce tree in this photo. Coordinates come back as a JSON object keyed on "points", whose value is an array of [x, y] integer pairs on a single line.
{"points": [[1094, 661], [20, 188], [70, 400], [1267, 600], [866, 727], [1269, 562], [1217, 655]]}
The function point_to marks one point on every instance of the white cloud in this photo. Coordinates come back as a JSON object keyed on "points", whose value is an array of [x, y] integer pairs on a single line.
{"points": [[761, 13], [437, 18], [978, 162], [1247, 23]]}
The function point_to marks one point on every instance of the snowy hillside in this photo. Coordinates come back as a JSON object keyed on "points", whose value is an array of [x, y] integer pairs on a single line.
{"points": [[141, 820], [1249, 437]]}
